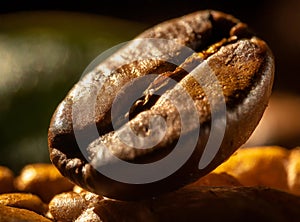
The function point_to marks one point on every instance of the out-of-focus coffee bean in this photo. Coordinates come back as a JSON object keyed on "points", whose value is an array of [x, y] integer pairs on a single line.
{"points": [[293, 171], [258, 166], [12, 214], [280, 124], [217, 179], [6, 180], [24, 201], [43, 180]]}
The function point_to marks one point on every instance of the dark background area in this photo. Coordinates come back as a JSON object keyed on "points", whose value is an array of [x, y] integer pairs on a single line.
{"points": [[276, 21], [30, 110]]}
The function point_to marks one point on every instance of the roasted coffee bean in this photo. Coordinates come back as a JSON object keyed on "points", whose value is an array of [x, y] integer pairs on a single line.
{"points": [[196, 203], [89, 215], [6, 180], [206, 204], [43, 180], [215, 180], [24, 201], [280, 123], [272, 166], [293, 171], [67, 206], [209, 57], [256, 166], [12, 214]]}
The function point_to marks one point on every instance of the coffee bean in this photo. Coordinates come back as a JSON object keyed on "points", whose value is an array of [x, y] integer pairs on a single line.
{"points": [[196, 203], [212, 84], [256, 166], [67, 206], [12, 214], [24, 201], [43, 180], [6, 180], [216, 180], [293, 171], [280, 123], [206, 204]]}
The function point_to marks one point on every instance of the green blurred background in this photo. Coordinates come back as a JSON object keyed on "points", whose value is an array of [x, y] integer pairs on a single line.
{"points": [[46, 45]]}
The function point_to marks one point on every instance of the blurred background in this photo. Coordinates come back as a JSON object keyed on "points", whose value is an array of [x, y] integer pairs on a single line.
{"points": [[46, 45]]}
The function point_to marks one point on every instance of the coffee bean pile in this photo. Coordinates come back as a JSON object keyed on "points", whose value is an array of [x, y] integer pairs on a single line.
{"points": [[253, 178]]}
